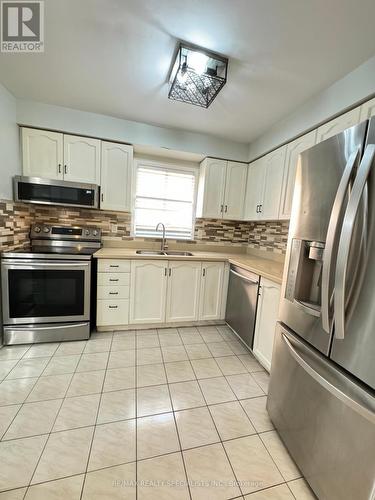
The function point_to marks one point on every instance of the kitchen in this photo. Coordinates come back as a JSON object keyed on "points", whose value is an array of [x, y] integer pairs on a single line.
{"points": [[186, 252]]}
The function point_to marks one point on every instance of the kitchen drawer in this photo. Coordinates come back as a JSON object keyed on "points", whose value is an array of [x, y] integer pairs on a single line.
{"points": [[113, 292], [113, 279], [112, 266], [112, 312]]}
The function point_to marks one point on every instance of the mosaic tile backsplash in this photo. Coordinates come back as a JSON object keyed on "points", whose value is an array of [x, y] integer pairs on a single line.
{"points": [[16, 218]]}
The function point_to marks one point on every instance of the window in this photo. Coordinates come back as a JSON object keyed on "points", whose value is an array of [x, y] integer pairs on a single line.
{"points": [[164, 193]]}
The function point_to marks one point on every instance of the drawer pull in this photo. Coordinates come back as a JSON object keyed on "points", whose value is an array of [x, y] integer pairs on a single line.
{"points": [[112, 279], [113, 265], [113, 307], [113, 293]]}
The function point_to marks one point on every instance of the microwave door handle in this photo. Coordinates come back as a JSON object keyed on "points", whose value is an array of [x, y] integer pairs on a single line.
{"points": [[332, 238], [346, 237]]}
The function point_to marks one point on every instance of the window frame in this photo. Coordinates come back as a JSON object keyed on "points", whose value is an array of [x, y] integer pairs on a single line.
{"points": [[165, 165]]}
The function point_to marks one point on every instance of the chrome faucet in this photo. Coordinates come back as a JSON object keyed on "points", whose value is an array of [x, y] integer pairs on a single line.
{"points": [[163, 246]]}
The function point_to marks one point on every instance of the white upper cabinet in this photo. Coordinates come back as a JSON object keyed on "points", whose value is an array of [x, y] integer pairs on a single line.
{"points": [[42, 153], [293, 150], [338, 124], [211, 293], [221, 189], [367, 110], [81, 159], [116, 176], [183, 291], [274, 167], [235, 188], [254, 189]]}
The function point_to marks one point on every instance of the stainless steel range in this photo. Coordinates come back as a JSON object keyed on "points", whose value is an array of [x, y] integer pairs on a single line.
{"points": [[46, 290]]}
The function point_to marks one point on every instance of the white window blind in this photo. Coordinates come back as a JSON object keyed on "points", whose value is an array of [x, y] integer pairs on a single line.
{"points": [[164, 194]]}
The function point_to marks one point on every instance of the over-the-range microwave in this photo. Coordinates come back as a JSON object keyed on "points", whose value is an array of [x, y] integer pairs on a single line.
{"points": [[55, 192]]}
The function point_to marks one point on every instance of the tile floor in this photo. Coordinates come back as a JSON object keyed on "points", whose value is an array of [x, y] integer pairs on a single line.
{"points": [[153, 414]]}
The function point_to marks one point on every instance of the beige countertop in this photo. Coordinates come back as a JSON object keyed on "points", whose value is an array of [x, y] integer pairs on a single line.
{"points": [[267, 268]]}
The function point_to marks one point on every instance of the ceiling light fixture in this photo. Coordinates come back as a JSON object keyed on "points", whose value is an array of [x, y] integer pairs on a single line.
{"points": [[197, 75]]}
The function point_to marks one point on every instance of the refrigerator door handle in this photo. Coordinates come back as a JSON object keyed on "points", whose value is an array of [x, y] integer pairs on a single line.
{"points": [[333, 228], [362, 410], [346, 237]]}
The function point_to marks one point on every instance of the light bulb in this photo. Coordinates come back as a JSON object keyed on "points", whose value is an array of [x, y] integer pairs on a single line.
{"points": [[198, 62]]}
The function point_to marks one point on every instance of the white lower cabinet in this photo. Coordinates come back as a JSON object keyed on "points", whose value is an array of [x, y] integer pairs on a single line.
{"points": [[211, 290], [183, 291], [112, 312], [148, 291], [267, 313]]}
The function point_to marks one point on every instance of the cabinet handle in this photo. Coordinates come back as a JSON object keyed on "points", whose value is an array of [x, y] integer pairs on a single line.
{"points": [[204, 271], [257, 210], [221, 208], [165, 271], [226, 208], [113, 307], [260, 208], [170, 271], [112, 279], [65, 169], [59, 168], [102, 197], [113, 293]]}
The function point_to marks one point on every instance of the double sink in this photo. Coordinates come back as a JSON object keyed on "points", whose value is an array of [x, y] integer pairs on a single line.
{"points": [[171, 253]]}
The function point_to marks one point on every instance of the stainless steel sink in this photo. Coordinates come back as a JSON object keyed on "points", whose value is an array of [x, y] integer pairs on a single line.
{"points": [[149, 252], [182, 254], [171, 253]]}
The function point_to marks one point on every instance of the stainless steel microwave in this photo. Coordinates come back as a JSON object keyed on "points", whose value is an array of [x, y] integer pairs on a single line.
{"points": [[54, 192]]}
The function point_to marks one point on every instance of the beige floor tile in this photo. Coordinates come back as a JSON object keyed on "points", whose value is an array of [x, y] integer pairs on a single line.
{"points": [[102, 345], [197, 351], [121, 359], [280, 455], [34, 419], [211, 337], [218, 349], [32, 367], [117, 405], [113, 444], [149, 356], [153, 400], [191, 338], [79, 411], [230, 365], [151, 375], [186, 395], [257, 412], [86, 383], [187, 329], [156, 435], [168, 331], [210, 473], [196, 428], [41, 350], [6, 366], [244, 386], [252, 464], [226, 333], [7, 414], [113, 483], [119, 378], [179, 371], [146, 331], [69, 348], [122, 343], [237, 347], [18, 459], [167, 478], [262, 379], [250, 363], [301, 490], [13, 494], [51, 387], [216, 390], [65, 454], [62, 364], [62, 489], [15, 391], [13, 352], [231, 420], [280, 492], [147, 341], [92, 362], [174, 353], [167, 339], [205, 368], [101, 335]]}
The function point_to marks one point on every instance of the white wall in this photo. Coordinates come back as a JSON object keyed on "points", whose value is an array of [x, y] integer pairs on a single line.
{"points": [[10, 163], [36, 114], [354, 88]]}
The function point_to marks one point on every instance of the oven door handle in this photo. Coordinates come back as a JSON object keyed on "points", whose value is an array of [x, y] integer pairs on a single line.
{"points": [[42, 265], [55, 327]]}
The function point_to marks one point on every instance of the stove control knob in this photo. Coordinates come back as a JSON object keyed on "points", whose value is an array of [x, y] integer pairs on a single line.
{"points": [[95, 232], [87, 232], [37, 229], [46, 229]]}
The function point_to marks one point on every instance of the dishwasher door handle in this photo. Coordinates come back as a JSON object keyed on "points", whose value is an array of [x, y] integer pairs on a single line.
{"points": [[253, 282]]}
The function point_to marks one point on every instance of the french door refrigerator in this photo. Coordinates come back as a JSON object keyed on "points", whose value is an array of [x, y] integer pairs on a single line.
{"points": [[322, 387]]}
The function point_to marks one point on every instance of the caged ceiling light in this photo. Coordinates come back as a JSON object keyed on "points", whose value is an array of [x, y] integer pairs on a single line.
{"points": [[197, 75]]}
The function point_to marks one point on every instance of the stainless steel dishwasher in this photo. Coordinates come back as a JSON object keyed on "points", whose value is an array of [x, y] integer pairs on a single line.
{"points": [[242, 303]]}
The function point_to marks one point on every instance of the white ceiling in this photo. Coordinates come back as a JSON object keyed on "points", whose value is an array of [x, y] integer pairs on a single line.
{"points": [[113, 57]]}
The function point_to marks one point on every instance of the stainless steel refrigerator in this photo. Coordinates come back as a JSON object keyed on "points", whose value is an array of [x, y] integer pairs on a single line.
{"points": [[322, 388]]}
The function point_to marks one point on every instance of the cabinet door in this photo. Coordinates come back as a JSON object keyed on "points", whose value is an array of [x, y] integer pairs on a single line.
{"points": [[116, 176], [293, 150], [367, 110], [274, 166], [338, 125], [235, 187], [183, 291], [268, 307], [42, 153], [211, 188], [148, 287], [254, 189], [212, 286], [81, 159]]}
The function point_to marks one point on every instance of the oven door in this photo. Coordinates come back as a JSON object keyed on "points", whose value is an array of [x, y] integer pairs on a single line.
{"points": [[45, 291]]}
